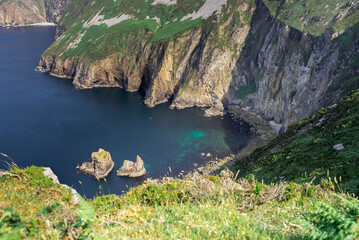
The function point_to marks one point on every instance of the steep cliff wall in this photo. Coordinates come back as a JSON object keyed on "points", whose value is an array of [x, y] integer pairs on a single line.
{"points": [[26, 12], [186, 56], [288, 74], [54, 9], [208, 53]]}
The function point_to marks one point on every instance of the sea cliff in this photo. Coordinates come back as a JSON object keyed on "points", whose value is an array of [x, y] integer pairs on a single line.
{"points": [[213, 54]]}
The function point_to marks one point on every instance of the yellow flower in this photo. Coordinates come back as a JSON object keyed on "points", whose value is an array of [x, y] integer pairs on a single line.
{"points": [[4, 155]]}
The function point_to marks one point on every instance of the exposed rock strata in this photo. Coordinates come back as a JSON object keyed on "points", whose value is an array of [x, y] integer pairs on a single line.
{"points": [[191, 69], [54, 9], [132, 169], [28, 12], [292, 73], [99, 166]]}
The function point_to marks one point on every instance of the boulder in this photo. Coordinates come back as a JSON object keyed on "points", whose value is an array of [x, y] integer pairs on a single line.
{"points": [[338, 147], [132, 169], [100, 164]]}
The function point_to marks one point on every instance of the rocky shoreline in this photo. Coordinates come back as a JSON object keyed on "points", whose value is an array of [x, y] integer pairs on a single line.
{"points": [[43, 24], [262, 131]]}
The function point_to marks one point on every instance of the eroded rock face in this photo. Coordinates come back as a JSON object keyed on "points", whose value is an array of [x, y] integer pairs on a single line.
{"points": [[99, 166], [293, 73], [189, 69], [26, 12], [132, 169]]}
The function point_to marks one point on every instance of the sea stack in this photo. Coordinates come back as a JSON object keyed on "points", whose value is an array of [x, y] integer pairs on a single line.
{"points": [[100, 164], [131, 169]]}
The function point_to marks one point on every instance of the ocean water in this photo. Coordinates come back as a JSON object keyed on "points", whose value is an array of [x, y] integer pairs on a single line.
{"points": [[45, 121]]}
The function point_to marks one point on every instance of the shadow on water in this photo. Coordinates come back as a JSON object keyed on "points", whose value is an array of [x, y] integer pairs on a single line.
{"points": [[237, 135]]}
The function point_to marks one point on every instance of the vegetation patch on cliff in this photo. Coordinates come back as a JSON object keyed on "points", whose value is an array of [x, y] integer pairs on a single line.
{"points": [[315, 16], [307, 152], [103, 28]]}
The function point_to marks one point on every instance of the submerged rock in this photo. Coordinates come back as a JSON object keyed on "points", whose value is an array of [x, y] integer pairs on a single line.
{"points": [[132, 169], [100, 164]]}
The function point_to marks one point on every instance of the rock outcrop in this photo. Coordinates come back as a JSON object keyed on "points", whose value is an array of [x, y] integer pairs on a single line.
{"points": [[99, 166], [27, 12], [132, 169], [50, 174]]}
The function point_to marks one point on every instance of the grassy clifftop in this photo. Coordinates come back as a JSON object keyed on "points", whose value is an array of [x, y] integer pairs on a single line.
{"points": [[195, 208], [310, 201], [306, 151], [315, 16], [104, 26]]}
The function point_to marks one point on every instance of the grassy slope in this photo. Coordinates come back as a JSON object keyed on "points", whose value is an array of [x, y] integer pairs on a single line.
{"points": [[309, 203], [104, 41], [306, 151], [314, 16], [196, 208]]}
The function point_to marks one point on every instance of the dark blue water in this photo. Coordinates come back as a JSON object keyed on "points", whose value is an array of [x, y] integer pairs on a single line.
{"points": [[46, 121]]}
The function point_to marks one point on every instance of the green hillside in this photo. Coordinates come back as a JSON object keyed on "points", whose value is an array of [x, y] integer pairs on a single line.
{"points": [[306, 150], [315, 16], [101, 28]]}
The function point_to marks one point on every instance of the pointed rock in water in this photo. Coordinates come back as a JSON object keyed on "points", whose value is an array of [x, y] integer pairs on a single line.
{"points": [[99, 166], [132, 169]]}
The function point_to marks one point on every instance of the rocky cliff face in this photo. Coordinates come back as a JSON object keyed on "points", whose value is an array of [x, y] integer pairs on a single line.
{"points": [[26, 12], [213, 53], [191, 69], [55, 9], [293, 73]]}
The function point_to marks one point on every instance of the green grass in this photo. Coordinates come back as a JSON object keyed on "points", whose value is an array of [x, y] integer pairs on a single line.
{"points": [[314, 16], [143, 28], [197, 207], [244, 91], [305, 152], [173, 28], [32, 206]]}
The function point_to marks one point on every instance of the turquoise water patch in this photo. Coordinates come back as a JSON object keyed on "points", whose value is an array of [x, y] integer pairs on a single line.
{"points": [[147, 166], [180, 157], [189, 143], [197, 134]]}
